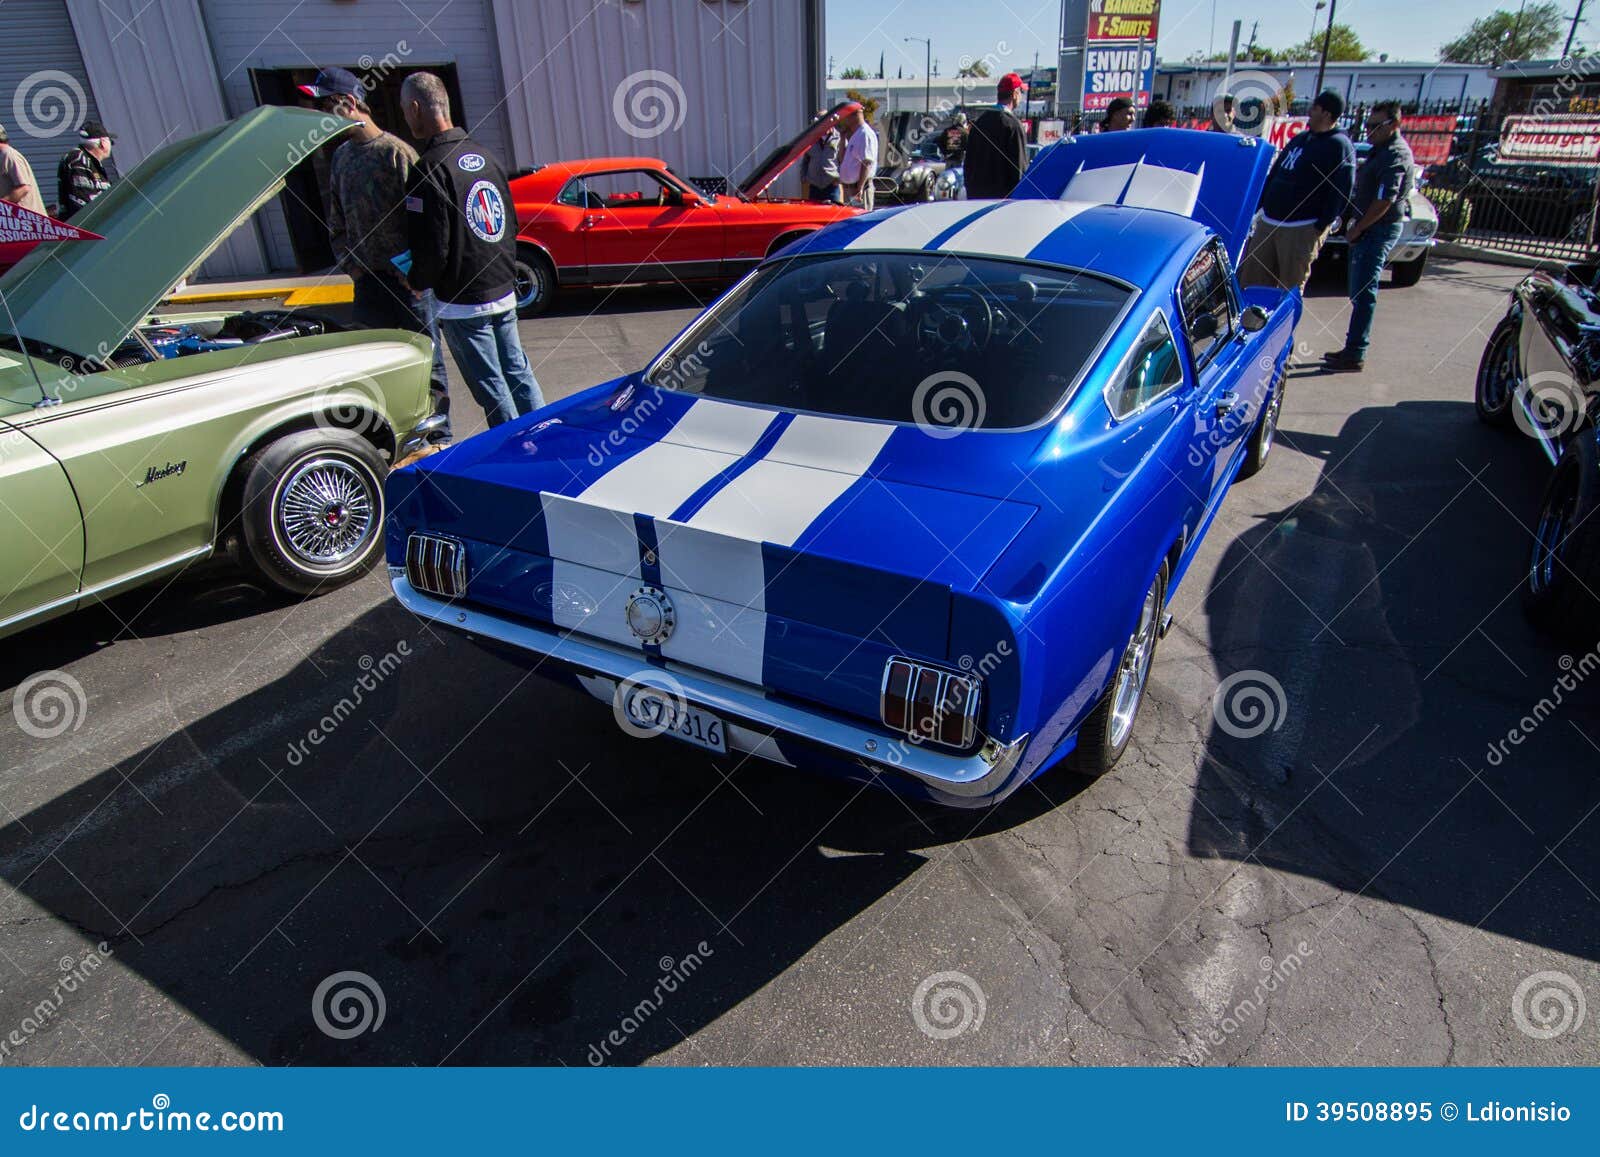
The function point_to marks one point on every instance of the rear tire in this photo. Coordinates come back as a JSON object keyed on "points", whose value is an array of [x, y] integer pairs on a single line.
{"points": [[1263, 436], [1499, 373], [1563, 570], [1105, 734], [311, 514], [1408, 273], [535, 283]]}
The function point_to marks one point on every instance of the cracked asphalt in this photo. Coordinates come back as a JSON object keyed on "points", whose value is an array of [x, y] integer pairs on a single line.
{"points": [[519, 883]]}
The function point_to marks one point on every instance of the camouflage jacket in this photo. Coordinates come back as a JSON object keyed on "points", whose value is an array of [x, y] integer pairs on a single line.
{"points": [[366, 205]]}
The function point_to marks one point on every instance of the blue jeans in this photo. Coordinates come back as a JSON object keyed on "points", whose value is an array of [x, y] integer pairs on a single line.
{"points": [[383, 305], [1367, 255], [490, 355]]}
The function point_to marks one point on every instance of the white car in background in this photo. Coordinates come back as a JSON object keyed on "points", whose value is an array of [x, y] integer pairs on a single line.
{"points": [[1410, 256]]}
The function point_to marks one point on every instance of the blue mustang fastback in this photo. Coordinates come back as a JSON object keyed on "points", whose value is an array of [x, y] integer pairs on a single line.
{"points": [[908, 502]]}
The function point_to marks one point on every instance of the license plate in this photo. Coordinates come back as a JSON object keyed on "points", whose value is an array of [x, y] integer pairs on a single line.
{"points": [[656, 712]]}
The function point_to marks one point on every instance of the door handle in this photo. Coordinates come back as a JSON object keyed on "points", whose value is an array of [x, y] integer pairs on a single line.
{"points": [[1227, 403], [589, 222]]}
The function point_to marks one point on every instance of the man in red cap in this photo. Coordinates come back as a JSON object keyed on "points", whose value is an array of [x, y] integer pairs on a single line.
{"points": [[997, 147]]}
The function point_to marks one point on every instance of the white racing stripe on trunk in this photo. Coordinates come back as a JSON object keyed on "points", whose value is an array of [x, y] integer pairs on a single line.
{"points": [[1101, 186], [813, 463], [717, 636], [1015, 230], [717, 566], [915, 227], [591, 535], [709, 438]]}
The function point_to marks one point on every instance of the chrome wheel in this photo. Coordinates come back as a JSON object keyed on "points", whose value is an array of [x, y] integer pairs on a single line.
{"points": [[326, 512], [1269, 423], [1134, 671], [1549, 539], [1500, 373]]}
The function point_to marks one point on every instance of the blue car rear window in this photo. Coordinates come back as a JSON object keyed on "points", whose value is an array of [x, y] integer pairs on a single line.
{"points": [[898, 337]]}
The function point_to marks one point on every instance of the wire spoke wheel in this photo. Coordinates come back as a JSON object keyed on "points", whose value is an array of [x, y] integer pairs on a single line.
{"points": [[324, 513]]}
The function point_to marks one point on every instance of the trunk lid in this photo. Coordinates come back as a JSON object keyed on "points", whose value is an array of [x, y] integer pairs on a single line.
{"points": [[796, 559], [1214, 178], [159, 223]]}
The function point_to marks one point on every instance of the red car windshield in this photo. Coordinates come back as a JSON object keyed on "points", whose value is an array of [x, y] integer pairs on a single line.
{"points": [[899, 337]]}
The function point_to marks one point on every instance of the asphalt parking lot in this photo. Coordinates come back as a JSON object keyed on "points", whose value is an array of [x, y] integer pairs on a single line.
{"points": [[1360, 883]]}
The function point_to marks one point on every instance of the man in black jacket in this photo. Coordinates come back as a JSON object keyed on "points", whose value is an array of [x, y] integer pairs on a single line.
{"points": [[82, 174], [463, 233], [1306, 192], [997, 146]]}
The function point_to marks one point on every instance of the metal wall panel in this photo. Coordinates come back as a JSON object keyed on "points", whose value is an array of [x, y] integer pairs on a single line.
{"points": [[317, 33], [710, 86], [44, 88]]}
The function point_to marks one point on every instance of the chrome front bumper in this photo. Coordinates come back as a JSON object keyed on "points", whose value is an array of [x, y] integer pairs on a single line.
{"points": [[755, 720], [424, 432]]}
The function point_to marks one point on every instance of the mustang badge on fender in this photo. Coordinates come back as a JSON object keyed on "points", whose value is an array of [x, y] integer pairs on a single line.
{"points": [[157, 473]]}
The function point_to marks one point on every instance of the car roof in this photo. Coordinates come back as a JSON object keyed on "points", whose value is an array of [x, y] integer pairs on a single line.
{"points": [[1128, 243], [598, 165]]}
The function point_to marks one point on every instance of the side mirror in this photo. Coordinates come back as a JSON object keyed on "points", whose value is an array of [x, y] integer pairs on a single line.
{"points": [[1204, 328], [1253, 319]]}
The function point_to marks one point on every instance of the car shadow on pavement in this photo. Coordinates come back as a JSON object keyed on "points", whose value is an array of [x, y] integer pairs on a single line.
{"points": [[1373, 662], [522, 883]]}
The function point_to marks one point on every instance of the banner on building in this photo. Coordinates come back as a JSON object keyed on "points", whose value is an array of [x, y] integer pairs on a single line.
{"points": [[1551, 140], [1120, 51]]}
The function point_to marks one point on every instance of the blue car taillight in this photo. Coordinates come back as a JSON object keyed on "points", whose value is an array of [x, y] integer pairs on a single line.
{"points": [[928, 703], [436, 565]]}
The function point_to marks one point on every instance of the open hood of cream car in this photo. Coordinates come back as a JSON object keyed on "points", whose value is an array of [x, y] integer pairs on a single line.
{"points": [[159, 223]]}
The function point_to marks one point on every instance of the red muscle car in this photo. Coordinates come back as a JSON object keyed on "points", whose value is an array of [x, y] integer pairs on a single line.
{"points": [[616, 220]]}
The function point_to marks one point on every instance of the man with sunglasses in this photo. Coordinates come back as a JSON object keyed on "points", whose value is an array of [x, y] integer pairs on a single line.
{"points": [[1381, 203]]}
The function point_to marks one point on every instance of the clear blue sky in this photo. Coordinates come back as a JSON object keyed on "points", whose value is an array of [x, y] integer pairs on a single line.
{"points": [[858, 30]]}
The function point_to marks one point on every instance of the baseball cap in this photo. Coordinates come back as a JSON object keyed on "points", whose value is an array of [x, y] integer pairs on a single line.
{"points": [[93, 130], [1010, 83], [334, 82]]}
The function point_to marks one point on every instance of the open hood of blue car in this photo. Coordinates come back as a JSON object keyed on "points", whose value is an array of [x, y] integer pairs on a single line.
{"points": [[1214, 178]]}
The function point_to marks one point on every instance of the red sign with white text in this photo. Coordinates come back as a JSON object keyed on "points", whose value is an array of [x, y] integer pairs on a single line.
{"points": [[18, 224]]}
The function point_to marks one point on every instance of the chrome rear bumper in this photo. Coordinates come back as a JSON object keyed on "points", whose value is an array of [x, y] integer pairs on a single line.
{"points": [[757, 719], [422, 435]]}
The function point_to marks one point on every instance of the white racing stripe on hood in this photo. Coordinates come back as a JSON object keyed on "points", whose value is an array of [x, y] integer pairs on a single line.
{"points": [[1158, 187], [914, 227], [1014, 230], [813, 463]]}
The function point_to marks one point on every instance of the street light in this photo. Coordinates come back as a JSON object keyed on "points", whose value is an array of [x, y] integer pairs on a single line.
{"points": [[1321, 4], [927, 71]]}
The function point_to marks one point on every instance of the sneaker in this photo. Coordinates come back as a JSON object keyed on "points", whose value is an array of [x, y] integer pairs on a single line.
{"points": [[1342, 362]]}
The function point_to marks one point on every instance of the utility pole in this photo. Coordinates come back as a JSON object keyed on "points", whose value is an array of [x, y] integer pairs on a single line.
{"points": [[1320, 5], [1233, 55], [1138, 77], [927, 70], [1327, 37], [1566, 53]]}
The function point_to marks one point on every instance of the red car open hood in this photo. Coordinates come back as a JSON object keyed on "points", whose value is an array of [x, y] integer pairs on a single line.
{"points": [[778, 161]]}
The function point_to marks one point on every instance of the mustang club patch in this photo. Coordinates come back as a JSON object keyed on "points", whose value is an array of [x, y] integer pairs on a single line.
{"points": [[470, 162], [486, 211]]}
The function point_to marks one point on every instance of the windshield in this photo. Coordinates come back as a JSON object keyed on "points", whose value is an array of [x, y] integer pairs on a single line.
{"points": [[887, 336]]}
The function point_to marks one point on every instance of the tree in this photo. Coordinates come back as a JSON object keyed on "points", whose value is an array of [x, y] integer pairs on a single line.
{"points": [[976, 68], [1253, 53], [854, 72], [869, 104], [1343, 45], [1503, 36]]}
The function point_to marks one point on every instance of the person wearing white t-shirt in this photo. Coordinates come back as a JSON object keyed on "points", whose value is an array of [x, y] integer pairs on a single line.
{"points": [[859, 162]]}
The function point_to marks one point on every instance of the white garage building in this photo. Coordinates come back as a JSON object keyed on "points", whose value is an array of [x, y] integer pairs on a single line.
{"points": [[710, 86]]}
